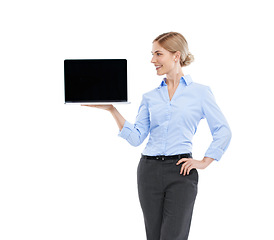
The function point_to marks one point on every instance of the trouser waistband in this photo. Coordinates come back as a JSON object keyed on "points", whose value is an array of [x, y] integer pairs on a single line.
{"points": [[170, 157]]}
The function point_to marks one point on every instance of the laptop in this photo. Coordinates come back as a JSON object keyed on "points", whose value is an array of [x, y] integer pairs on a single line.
{"points": [[95, 81]]}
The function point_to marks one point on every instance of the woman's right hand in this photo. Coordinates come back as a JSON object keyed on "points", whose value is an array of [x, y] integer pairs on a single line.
{"points": [[107, 107]]}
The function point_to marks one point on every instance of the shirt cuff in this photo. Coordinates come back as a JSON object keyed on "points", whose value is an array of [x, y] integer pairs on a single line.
{"points": [[216, 153], [126, 130]]}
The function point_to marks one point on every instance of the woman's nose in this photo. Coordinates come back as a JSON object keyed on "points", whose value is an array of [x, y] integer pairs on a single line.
{"points": [[153, 59]]}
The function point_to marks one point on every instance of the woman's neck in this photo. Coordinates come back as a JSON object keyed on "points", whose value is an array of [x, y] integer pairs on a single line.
{"points": [[173, 79]]}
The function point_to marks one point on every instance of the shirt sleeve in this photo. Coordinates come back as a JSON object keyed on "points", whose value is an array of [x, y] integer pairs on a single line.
{"points": [[136, 133], [218, 125]]}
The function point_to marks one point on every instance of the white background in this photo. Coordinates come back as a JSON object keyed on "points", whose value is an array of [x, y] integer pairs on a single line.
{"points": [[64, 172]]}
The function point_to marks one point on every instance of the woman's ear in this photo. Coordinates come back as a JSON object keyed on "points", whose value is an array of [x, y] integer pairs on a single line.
{"points": [[177, 56]]}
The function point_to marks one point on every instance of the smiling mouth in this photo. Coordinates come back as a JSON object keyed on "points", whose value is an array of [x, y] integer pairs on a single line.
{"points": [[158, 67]]}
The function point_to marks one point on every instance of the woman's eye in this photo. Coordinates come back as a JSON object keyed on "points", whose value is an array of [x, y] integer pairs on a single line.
{"points": [[158, 54]]}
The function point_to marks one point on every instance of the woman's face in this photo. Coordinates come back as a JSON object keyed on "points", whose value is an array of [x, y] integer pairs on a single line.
{"points": [[163, 60]]}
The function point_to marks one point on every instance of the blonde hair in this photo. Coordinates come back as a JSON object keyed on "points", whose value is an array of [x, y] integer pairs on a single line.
{"points": [[173, 42]]}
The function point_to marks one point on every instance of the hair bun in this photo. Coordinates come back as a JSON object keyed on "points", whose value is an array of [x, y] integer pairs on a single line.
{"points": [[189, 59]]}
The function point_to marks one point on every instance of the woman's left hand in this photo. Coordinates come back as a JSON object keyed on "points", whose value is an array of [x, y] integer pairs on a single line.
{"points": [[190, 163]]}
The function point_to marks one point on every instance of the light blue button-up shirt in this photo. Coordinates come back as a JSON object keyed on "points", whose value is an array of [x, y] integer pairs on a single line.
{"points": [[173, 123]]}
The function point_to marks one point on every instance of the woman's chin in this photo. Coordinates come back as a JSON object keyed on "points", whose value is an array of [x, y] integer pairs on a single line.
{"points": [[160, 73]]}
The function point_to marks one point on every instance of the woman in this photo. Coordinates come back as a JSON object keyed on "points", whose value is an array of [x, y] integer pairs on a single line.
{"points": [[166, 175]]}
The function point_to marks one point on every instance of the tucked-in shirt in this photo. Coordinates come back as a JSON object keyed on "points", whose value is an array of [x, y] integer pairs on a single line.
{"points": [[171, 124]]}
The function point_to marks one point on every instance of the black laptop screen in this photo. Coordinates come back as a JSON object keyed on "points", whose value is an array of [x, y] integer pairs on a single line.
{"points": [[95, 80]]}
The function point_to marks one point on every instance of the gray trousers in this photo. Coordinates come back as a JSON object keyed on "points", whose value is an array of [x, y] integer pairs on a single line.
{"points": [[166, 198]]}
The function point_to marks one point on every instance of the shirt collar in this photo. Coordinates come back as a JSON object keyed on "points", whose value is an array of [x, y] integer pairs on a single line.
{"points": [[184, 79]]}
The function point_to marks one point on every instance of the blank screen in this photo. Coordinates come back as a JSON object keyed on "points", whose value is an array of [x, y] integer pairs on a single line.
{"points": [[95, 80]]}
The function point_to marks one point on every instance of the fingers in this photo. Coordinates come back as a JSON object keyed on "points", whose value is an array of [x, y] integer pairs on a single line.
{"points": [[185, 169], [189, 168], [186, 166], [88, 105], [182, 160]]}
